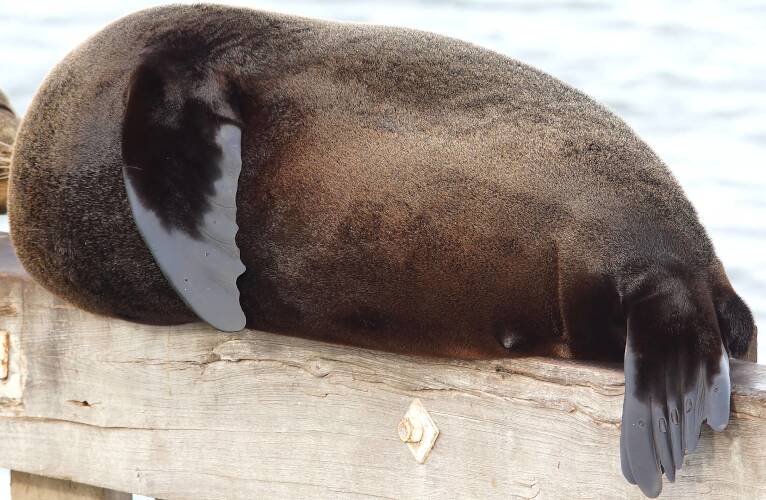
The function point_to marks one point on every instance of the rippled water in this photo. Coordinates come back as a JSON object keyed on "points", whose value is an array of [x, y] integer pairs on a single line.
{"points": [[689, 77]]}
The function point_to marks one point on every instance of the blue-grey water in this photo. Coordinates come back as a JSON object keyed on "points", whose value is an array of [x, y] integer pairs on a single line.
{"points": [[688, 76]]}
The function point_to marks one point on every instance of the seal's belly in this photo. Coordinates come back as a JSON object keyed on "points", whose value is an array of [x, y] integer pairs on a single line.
{"points": [[372, 246]]}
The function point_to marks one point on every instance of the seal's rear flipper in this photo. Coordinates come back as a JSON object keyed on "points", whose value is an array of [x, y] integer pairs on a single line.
{"points": [[676, 378], [182, 158], [735, 321]]}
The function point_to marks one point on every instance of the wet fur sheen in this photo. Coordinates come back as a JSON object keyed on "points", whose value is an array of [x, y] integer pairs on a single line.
{"points": [[400, 190]]}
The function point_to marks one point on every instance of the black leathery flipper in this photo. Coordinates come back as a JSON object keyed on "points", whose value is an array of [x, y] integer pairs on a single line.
{"points": [[693, 398], [182, 161], [695, 390], [718, 401], [661, 428], [674, 409], [637, 442], [624, 461]]}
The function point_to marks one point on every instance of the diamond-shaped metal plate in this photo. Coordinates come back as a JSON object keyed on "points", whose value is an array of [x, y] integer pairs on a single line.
{"points": [[418, 430]]}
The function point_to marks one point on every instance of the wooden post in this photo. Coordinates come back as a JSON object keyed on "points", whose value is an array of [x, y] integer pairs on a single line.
{"points": [[8, 125], [31, 487]]}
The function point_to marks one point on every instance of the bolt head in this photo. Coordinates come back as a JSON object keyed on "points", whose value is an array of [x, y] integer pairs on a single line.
{"points": [[409, 431]]}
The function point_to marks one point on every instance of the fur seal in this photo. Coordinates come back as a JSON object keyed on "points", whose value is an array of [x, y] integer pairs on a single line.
{"points": [[8, 124], [375, 186]]}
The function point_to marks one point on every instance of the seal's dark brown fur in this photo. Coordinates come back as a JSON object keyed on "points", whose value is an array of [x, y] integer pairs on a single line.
{"points": [[400, 190]]}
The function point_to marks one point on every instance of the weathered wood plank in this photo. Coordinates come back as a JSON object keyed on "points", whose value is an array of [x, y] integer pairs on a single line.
{"points": [[188, 412], [31, 487], [8, 125]]}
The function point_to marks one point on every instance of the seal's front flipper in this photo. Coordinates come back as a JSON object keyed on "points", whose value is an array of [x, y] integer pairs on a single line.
{"points": [[676, 378], [182, 158]]}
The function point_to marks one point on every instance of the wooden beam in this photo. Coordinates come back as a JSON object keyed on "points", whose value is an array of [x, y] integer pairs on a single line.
{"points": [[8, 125], [31, 487], [189, 412]]}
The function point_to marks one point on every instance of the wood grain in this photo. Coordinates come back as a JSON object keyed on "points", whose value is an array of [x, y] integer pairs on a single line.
{"points": [[189, 412], [8, 125], [31, 487]]}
